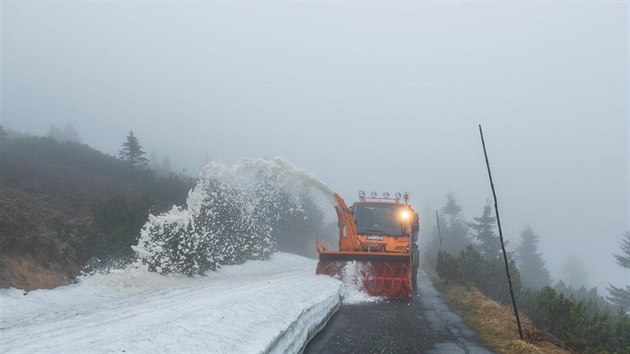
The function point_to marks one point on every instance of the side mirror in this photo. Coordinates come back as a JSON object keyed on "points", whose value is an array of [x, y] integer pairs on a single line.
{"points": [[415, 223]]}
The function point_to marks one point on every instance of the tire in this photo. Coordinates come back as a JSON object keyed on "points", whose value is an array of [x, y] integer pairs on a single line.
{"points": [[414, 280]]}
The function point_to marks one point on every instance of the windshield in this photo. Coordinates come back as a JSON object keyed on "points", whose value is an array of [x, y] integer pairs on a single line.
{"points": [[379, 219]]}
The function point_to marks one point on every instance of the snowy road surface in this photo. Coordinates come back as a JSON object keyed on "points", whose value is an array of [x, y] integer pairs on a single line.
{"points": [[274, 305]]}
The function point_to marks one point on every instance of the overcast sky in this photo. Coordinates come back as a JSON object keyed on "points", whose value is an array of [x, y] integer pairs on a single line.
{"points": [[367, 95]]}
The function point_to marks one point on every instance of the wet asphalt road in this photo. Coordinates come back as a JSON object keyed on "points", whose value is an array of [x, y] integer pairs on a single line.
{"points": [[424, 325]]}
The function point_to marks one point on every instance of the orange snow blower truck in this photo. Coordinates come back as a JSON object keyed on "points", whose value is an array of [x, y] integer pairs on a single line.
{"points": [[380, 234]]}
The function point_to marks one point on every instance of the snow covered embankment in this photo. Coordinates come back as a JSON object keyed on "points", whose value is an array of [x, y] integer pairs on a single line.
{"points": [[260, 306]]}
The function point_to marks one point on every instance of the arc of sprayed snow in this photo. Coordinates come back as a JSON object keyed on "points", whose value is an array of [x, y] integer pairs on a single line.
{"points": [[288, 173], [290, 178]]}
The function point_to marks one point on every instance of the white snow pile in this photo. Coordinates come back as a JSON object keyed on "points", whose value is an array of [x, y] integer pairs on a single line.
{"points": [[352, 290], [228, 218], [260, 306]]}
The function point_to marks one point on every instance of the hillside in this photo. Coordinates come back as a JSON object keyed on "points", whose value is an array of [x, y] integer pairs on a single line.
{"points": [[61, 204]]}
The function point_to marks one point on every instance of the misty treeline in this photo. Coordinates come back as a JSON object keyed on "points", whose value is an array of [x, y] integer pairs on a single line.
{"points": [[131, 150], [67, 134], [569, 314], [63, 202]]}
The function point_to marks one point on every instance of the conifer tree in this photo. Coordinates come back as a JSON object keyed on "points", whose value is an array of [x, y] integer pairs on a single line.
{"points": [[454, 232], [166, 165], [534, 274], [451, 209], [55, 133], [575, 273], [70, 134], [619, 296], [488, 243], [623, 259], [132, 152]]}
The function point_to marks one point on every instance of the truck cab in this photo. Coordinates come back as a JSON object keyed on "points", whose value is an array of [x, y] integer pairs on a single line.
{"points": [[385, 225]]}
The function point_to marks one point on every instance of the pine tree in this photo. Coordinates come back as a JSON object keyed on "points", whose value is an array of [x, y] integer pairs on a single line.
{"points": [[153, 161], [619, 296], [534, 274], [132, 152], [166, 165], [70, 134], [623, 259], [574, 272], [483, 231], [454, 232], [451, 209], [55, 133]]}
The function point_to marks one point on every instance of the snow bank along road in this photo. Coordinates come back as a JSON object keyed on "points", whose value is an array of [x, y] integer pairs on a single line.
{"points": [[260, 306]]}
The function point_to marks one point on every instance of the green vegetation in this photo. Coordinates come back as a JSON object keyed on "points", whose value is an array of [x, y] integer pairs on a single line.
{"points": [[68, 134], [483, 233], [583, 326], [580, 325], [494, 322], [64, 203], [571, 316], [65, 206], [531, 265], [488, 273], [131, 151], [454, 232]]}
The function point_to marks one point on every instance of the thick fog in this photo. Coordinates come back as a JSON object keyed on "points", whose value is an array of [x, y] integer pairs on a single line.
{"points": [[371, 96]]}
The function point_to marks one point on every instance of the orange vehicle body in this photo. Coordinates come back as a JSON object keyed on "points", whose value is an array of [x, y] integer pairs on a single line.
{"points": [[388, 261]]}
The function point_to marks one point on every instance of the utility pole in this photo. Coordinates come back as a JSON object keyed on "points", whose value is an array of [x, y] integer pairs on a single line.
{"points": [[505, 260]]}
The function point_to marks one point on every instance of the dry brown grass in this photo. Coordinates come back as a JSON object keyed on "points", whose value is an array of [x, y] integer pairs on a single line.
{"points": [[495, 323], [23, 272]]}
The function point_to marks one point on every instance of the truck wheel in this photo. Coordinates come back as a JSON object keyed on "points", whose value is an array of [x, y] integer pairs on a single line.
{"points": [[414, 279]]}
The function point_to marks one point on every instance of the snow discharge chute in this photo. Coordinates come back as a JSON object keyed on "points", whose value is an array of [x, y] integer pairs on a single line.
{"points": [[379, 234]]}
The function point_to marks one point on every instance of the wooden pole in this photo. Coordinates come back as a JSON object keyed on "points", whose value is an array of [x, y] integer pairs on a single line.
{"points": [[505, 260]]}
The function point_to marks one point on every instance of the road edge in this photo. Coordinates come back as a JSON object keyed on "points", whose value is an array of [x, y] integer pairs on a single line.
{"points": [[310, 322]]}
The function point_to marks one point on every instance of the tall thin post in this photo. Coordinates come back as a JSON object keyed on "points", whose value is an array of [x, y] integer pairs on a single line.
{"points": [[505, 260], [437, 218]]}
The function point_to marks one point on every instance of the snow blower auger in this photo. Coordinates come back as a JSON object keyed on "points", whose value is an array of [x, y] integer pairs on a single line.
{"points": [[380, 234]]}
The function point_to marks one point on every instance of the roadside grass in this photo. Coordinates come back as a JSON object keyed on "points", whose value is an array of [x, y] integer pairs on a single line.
{"points": [[494, 322]]}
